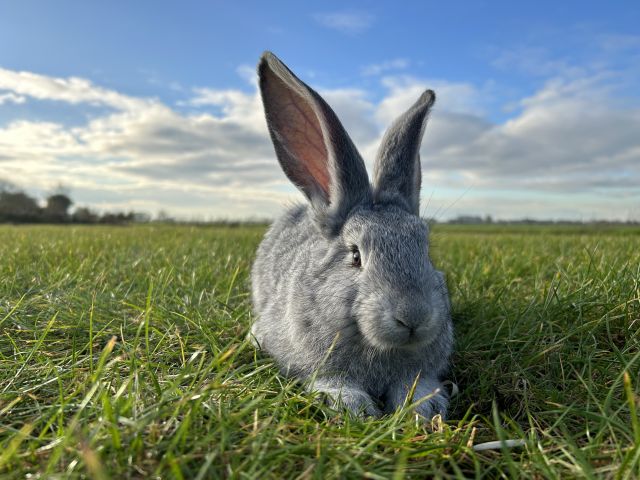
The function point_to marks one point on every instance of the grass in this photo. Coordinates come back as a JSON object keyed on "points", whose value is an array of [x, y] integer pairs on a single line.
{"points": [[123, 354]]}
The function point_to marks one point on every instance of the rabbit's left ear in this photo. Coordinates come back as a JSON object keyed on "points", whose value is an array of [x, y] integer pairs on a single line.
{"points": [[397, 172]]}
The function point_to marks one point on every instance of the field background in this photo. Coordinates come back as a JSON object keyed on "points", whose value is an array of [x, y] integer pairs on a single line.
{"points": [[123, 354]]}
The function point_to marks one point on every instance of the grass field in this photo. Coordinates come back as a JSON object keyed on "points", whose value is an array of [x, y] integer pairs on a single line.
{"points": [[123, 354]]}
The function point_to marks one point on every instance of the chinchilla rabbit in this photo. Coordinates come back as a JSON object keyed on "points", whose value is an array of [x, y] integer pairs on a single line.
{"points": [[345, 294]]}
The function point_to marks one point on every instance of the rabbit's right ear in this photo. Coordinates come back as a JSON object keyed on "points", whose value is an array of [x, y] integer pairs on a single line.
{"points": [[312, 146]]}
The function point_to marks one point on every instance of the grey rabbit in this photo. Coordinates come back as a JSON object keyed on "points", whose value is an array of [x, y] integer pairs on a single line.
{"points": [[346, 297]]}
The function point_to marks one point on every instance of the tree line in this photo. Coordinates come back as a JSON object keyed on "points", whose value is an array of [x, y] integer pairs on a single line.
{"points": [[17, 206]]}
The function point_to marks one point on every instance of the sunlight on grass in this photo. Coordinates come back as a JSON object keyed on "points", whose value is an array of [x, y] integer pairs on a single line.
{"points": [[123, 352]]}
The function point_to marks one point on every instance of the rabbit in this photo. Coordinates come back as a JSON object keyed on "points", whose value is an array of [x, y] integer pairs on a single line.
{"points": [[345, 295]]}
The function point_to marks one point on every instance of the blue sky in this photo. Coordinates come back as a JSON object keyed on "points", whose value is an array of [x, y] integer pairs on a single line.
{"points": [[153, 105]]}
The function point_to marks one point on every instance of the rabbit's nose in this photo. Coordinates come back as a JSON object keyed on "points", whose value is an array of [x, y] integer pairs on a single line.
{"points": [[405, 324], [411, 315]]}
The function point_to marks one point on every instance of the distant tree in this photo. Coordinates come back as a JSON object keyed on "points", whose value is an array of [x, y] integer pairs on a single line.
{"points": [[18, 207], [108, 218], [84, 215], [141, 217], [119, 218], [467, 219], [57, 208], [164, 217], [61, 189]]}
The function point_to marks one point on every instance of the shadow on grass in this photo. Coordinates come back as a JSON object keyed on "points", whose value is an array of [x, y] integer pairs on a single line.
{"points": [[557, 357]]}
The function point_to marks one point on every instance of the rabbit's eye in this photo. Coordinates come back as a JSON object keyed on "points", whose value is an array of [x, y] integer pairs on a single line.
{"points": [[356, 261]]}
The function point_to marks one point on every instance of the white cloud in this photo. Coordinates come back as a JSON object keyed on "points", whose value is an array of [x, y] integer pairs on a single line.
{"points": [[356, 113], [349, 22], [404, 90], [72, 90], [233, 106], [566, 139], [11, 97], [248, 73], [145, 153], [379, 68], [570, 150]]}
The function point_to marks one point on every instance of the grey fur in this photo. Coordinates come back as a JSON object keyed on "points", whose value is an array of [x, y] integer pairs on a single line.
{"points": [[361, 335], [397, 173]]}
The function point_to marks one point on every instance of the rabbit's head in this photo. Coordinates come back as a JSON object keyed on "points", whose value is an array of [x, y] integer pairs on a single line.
{"points": [[377, 257], [400, 299]]}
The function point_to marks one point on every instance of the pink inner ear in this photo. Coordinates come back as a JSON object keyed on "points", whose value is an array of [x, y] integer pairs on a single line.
{"points": [[301, 134]]}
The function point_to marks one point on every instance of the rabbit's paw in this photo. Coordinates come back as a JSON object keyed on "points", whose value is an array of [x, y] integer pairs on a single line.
{"points": [[432, 405], [351, 398], [429, 396]]}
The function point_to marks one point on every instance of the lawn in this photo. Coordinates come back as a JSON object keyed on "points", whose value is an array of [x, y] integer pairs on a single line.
{"points": [[123, 354]]}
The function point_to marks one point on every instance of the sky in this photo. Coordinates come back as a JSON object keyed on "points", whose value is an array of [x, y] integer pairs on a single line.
{"points": [[153, 105]]}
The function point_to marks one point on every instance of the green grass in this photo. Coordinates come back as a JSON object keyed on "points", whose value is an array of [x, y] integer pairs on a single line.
{"points": [[123, 354]]}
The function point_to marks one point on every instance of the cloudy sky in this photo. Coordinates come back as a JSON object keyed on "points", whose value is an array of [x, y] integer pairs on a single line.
{"points": [[153, 105]]}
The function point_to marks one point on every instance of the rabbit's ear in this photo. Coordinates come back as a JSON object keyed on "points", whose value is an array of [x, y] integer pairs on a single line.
{"points": [[312, 146], [397, 172]]}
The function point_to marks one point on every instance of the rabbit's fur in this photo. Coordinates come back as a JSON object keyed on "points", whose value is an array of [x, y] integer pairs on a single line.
{"points": [[361, 332]]}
